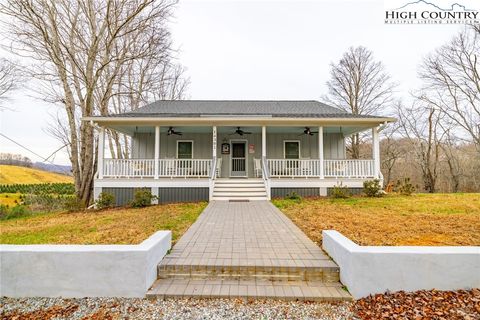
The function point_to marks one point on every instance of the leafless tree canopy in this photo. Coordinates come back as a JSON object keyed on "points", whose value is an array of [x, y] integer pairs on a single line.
{"points": [[451, 78], [359, 85], [95, 57], [8, 79]]}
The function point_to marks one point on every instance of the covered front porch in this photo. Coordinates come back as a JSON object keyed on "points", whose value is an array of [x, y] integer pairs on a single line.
{"points": [[269, 152]]}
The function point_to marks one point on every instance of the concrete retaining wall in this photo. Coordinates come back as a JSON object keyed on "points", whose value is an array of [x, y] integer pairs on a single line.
{"points": [[369, 270], [75, 271]]}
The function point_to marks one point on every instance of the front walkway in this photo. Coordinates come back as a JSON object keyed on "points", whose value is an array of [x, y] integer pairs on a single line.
{"points": [[247, 233], [243, 250]]}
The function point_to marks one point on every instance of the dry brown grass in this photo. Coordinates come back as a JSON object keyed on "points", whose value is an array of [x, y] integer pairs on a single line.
{"points": [[421, 219], [113, 226]]}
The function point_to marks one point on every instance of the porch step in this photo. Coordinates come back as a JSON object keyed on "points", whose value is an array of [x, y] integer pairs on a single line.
{"points": [[239, 186], [244, 289], [324, 270], [239, 189], [236, 193]]}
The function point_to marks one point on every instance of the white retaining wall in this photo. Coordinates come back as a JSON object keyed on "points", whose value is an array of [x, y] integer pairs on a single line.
{"points": [[369, 270], [75, 271]]}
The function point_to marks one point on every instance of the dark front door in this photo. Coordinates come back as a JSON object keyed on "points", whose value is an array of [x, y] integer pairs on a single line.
{"points": [[238, 160]]}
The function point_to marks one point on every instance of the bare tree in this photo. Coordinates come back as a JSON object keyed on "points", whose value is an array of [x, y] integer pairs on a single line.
{"points": [[360, 85], [452, 81], [8, 79], [391, 151], [421, 126], [78, 44]]}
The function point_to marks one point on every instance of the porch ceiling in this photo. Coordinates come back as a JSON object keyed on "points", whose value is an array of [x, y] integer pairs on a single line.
{"points": [[346, 130]]}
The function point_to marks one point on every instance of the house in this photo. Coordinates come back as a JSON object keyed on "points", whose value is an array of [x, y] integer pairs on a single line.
{"points": [[190, 150]]}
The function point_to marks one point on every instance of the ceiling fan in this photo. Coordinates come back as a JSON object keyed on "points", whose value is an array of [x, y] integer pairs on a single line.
{"points": [[308, 131], [240, 132], [172, 131]]}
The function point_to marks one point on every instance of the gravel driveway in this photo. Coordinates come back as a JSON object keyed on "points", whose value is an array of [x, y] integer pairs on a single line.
{"points": [[106, 308]]}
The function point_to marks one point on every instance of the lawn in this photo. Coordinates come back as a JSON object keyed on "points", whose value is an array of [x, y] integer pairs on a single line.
{"points": [[112, 226], [394, 220]]}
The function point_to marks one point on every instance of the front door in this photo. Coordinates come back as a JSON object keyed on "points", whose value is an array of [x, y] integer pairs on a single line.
{"points": [[238, 165]]}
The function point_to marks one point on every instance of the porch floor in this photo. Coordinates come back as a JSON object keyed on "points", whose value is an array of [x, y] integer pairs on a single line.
{"points": [[234, 245]]}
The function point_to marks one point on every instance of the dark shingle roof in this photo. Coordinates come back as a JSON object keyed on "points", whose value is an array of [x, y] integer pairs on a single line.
{"points": [[202, 108]]}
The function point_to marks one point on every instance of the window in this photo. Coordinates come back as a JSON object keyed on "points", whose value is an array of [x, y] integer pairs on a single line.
{"points": [[291, 149], [184, 149]]}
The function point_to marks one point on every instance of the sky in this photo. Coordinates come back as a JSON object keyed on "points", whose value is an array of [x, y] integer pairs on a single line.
{"points": [[256, 50]]}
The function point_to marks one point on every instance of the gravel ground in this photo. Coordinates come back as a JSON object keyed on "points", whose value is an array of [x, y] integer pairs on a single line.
{"points": [[107, 308]]}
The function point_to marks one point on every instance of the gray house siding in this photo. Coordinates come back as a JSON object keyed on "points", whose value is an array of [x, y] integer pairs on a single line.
{"points": [[303, 192], [169, 195], [143, 146], [123, 196]]}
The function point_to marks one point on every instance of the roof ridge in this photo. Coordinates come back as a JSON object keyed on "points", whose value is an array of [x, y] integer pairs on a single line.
{"points": [[234, 100]]}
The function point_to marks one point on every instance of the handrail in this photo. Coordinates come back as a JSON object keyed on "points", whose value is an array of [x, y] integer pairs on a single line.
{"points": [[213, 174], [266, 176], [211, 180]]}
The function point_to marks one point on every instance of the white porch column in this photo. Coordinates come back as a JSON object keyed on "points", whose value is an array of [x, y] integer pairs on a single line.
{"points": [[376, 152], [264, 142], [101, 152], [320, 152], [157, 150], [214, 144]]}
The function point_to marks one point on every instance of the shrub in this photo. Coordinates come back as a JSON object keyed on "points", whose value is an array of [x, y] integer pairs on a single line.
{"points": [[105, 200], [293, 196], [4, 210], [142, 198], [340, 192], [405, 187], [372, 188], [17, 211], [72, 203]]}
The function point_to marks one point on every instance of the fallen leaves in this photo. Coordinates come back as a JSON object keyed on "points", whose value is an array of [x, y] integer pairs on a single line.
{"points": [[55, 311], [432, 304]]}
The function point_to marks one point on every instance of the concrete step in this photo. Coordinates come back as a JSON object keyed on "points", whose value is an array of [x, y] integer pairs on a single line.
{"points": [[238, 180], [239, 189], [243, 198], [244, 289], [240, 185], [272, 269], [239, 194]]}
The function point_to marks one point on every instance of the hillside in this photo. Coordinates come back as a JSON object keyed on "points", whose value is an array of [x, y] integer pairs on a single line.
{"points": [[14, 174]]}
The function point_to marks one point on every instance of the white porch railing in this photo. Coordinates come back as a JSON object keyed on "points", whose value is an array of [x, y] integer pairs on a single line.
{"points": [[128, 168], [293, 168], [145, 168], [349, 168], [185, 168], [311, 168]]}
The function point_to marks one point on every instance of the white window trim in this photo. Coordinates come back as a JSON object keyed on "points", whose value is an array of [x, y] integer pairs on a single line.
{"points": [[191, 141], [299, 148]]}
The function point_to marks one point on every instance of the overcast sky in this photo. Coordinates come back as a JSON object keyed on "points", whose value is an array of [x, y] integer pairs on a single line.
{"points": [[260, 50]]}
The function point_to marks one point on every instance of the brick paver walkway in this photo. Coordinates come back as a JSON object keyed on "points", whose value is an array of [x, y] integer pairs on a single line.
{"points": [[247, 233], [247, 250]]}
